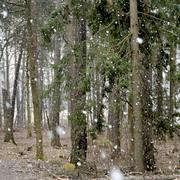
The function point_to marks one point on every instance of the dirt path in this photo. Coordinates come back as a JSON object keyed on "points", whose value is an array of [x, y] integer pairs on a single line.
{"points": [[18, 162]]}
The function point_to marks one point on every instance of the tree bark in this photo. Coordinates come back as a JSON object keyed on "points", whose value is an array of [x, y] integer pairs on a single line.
{"points": [[56, 96], [29, 123], [33, 69], [172, 97], [78, 118], [7, 116], [114, 119], [149, 159], [9, 136], [159, 88], [136, 88]]}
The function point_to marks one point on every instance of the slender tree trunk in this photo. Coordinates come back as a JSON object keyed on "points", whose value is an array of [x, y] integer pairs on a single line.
{"points": [[18, 118], [160, 87], [172, 97], [7, 66], [29, 123], [9, 136], [149, 159], [22, 99], [1, 107], [33, 69], [56, 96], [78, 118], [115, 117], [131, 128], [136, 89], [7, 116]]}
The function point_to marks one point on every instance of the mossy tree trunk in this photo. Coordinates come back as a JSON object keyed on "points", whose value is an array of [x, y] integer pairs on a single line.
{"points": [[172, 74], [56, 95], [136, 88], [9, 134], [28, 109], [78, 118], [149, 159], [114, 120], [7, 116], [147, 113], [159, 67], [33, 69]]}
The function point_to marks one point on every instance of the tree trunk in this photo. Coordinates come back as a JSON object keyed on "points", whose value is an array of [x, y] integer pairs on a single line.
{"points": [[159, 89], [136, 88], [33, 69], [172, 97], [29, 123], [7, 116], [78, 118], [1, 115], [8, 137], [7, 66], [114, 119], [149, 159], [18, 116], [131, 128], [56, 96], [22, 99]]}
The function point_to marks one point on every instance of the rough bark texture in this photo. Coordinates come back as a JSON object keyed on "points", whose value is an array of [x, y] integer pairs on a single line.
{"points": [[149, 159], [18, 115], [33, 69], [29, 123], [20, 100], [56, 96], [7, 116], [1, 120], [159, 89], [131, 129], [114, 119], [78, 118], [147, 114], [172, 97], [136, 89], [10, 135]]}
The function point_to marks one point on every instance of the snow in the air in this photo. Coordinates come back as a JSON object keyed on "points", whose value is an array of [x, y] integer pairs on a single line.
{"points": [[79, 163], [4, 13], [110, 126], [116, 174], [103, 154], [139, 40], [60, 130], [8, 105], [50, 135]]}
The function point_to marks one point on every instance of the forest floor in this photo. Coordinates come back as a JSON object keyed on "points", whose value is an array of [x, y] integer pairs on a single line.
{"points": [[18, 162]]}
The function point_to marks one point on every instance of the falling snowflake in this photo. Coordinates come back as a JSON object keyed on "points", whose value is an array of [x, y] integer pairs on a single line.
{"points": [[139, 40], [50, 135], [60, 130], [79, 163], [116, 174], [103, 155], [109, 126], [4, 14], [8, 105]]}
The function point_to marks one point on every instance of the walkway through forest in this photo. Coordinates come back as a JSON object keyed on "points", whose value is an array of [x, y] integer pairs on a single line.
{"points": [[18, 162]]}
